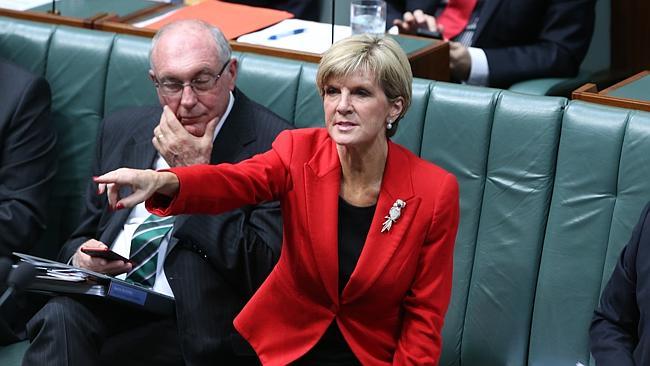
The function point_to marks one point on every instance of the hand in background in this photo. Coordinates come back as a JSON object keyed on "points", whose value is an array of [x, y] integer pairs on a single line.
{"points": [[101, 265], [460, 62], [143, 183], [410, 22], [179, 147]]}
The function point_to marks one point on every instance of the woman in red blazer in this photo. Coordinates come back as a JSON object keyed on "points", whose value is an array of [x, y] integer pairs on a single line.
{"points": [[369, 228]]}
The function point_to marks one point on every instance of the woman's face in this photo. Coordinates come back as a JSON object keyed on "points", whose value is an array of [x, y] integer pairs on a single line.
{"points": [[356, 110]]}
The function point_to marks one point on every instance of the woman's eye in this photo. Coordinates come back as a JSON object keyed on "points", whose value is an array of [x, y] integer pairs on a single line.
{"points": [[362, 92], [330, 91]]}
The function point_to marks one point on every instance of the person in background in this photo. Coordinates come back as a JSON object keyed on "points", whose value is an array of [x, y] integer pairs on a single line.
{"points": [[619, 329], [369, 228], [27, 168], [211, 265], [500, 42]]}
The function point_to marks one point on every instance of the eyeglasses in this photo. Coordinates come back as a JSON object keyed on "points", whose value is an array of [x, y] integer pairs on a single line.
{"points": [[200, 85]]}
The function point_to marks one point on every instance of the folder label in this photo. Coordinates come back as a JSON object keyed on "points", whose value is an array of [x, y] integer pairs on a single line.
{"points": [[127, 293]]}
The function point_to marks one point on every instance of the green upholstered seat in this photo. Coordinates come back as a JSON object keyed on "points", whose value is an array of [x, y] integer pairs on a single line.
{"points": [[549, 188]]}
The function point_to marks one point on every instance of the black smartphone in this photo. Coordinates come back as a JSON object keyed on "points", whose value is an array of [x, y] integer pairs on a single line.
{"points": [[105, 253], [427, 33]]}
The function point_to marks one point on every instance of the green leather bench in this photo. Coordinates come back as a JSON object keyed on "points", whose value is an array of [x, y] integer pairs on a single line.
{"points": [[550, 189]]}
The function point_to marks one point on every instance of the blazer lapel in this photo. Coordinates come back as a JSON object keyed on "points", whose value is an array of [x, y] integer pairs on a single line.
{"points": [[322, 180], [139, 153], [230, 144], [489, 7], [380, 246]]}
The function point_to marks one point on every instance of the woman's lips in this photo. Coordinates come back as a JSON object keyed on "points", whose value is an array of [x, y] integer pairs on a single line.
{"points": [[345, 125]]}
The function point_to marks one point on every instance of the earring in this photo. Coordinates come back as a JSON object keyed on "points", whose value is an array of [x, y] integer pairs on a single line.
{"points": [[389, 125]]}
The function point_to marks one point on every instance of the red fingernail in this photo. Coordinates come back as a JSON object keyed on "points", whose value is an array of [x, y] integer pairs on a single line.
{"points": [[119, 206]]}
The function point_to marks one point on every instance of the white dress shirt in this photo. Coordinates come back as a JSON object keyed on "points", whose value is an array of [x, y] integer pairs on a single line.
{"points": [[122, 244]]}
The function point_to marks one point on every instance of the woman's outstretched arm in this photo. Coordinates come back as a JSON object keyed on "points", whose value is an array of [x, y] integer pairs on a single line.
{"points": [[143, 184]]}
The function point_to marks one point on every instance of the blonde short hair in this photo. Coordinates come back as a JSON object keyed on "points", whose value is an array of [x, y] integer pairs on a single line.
{"points": [[380, 56]]}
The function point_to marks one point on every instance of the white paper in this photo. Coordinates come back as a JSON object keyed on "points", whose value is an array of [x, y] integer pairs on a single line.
{"points": [[22, 4], [314, 37], [145, 23]]}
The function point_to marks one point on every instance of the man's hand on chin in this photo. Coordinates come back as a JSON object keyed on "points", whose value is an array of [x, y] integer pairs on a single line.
{"points": [[179, 147]]}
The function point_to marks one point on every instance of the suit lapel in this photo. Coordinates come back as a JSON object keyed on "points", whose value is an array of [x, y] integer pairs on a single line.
{"points": [[139, 153], [380, 246], [488, 8], [230, 144], [322, 181]]}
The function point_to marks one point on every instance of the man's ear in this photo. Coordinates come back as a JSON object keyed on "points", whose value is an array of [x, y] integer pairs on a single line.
{"points": [[232, 69], [152, 76]]}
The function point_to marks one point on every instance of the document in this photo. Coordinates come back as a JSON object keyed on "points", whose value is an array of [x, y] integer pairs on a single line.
{"points": [[55, 277], [233, 19], [298, 35]]}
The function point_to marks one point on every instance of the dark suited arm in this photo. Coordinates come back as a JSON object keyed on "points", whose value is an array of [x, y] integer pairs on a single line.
{"points": [[27, 167], [242, 245], [91, 213], [560, 47], [613, 332]]}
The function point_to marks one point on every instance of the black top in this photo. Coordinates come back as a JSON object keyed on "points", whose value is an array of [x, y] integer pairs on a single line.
{"points": [[354, 223]]}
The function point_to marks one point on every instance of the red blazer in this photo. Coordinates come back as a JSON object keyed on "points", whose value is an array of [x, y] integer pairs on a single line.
{"points": [[392, 309]]}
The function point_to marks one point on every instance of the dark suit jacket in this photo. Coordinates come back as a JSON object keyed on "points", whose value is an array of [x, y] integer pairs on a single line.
{"points": [[217, 261], [524, 39], [392, 309], [301, 9], [27, 157], [620, 330]]}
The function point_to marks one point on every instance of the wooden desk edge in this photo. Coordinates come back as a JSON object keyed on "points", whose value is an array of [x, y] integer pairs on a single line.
{"points": [[588, 93], [50, 18]]}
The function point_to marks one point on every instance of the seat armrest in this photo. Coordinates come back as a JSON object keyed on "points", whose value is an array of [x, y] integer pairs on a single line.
{"points": [[553, 86]]}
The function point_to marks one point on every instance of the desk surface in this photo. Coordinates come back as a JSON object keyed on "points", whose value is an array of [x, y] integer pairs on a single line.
{"points": [[632, 93], [638, 89]]}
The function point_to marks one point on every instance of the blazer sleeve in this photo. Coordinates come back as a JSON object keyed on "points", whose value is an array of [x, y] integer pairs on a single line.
{"points": [[425, 305], [27, 168], [613, 332], [214, 189], [557, 51]]}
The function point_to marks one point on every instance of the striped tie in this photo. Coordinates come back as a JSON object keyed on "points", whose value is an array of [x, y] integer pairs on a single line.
{"points": [[144, 249]]}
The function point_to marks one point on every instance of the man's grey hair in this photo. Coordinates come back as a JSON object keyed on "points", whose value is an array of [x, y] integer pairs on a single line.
{"points": [[223, 47]]}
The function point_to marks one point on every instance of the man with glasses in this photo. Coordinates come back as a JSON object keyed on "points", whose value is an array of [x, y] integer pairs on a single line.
{"points": [[211, 265]]}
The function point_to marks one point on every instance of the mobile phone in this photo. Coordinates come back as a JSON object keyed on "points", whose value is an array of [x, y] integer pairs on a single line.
{"points": [[427, 33], [105, 253]]}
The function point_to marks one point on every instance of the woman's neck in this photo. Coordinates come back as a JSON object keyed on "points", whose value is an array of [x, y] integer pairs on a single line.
{"points": [[362, 170]]}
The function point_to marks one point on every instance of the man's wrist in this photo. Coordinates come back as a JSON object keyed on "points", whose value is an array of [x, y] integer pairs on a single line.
{"points": [[479, 72]]}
